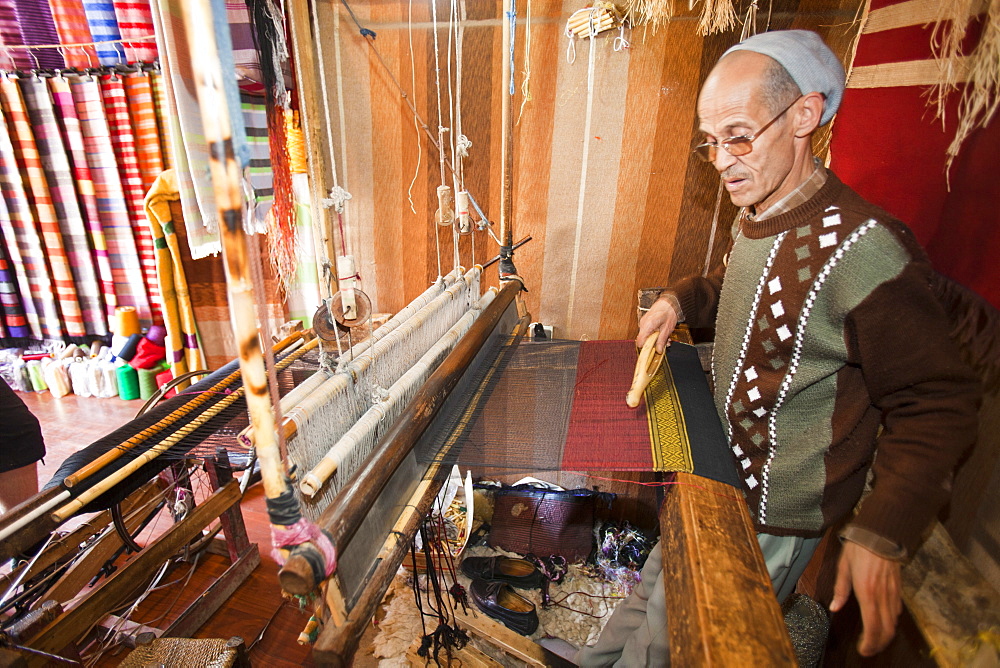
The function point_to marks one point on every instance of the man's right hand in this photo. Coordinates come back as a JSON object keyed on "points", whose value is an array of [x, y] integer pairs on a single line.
{"points": [[661, 317]]}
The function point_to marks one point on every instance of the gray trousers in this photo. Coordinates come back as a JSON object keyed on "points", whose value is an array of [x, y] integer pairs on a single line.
{"points": [[636, 634]]}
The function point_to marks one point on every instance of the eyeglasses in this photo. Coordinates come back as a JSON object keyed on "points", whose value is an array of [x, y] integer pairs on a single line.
{"points": [[737, 146]]}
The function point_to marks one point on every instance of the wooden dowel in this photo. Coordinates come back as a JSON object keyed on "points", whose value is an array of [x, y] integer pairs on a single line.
{"points": [[506, 141]]}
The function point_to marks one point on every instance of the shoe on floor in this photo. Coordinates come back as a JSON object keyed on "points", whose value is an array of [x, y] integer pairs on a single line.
{"points": [[502, 603], [516, 572]]}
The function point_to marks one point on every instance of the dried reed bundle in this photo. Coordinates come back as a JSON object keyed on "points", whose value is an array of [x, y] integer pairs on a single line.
{"points": [[717, 16], [654, 13]]}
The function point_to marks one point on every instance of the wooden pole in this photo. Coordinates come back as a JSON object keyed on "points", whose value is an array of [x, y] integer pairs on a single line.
{"points": [[226, 186], [506, 138]]}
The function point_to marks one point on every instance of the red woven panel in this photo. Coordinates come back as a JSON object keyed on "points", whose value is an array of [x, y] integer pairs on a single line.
{"points": [[604, 433]]}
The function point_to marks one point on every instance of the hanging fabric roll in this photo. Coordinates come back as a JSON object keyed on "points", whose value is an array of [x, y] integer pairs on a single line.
{"points": [[15, 323], [135, 21], [104, 28], [142, 114], [10, 34], [71, 321], [71, 24], [34, 18], [71, 229], [62, 99], [123, 257]]}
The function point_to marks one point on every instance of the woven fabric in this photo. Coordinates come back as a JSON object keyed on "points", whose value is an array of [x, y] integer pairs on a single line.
{"points": [[104, 28], [188, 147], [34, 20], [73, 232], [123, 142], [163, 121], [135, 21], [13, 323], [178, 313], [244, 49], [130, 290], [44, 210], [23, 244], [142, 112], [10, 35], [261, 176], [62, 100], [210, 653], [71, 24]]}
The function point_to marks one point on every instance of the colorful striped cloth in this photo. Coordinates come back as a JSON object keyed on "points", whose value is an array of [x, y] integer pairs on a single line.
{"points": [[62, 99], [123, 142], [188, 148], [71, 24], [244, 50], [135, 21], [184, 353], [34, 19], [261, 176], [24, 246], [10, 35], [104, 28], [142, 113], [130, 289], [70, 225], [13, 323], [44, 208], [164, 122]]}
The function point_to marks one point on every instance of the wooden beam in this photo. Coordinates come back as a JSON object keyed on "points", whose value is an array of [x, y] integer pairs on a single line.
{"points": [[721, 609], [70, 625]]}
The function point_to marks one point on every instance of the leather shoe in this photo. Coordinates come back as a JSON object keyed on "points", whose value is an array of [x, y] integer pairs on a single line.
{"points": [[502, 603], [517, 572]]}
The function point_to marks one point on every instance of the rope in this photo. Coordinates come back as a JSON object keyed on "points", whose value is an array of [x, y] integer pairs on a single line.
{"points": [[417, 121], [525, 89], [512, 17]]}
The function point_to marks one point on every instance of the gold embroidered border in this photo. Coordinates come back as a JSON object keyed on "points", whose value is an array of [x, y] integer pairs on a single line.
{"points": [[668, 435]]}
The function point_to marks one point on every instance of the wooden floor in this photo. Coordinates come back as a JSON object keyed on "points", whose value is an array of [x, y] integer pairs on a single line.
{"points": [[71, 423]]}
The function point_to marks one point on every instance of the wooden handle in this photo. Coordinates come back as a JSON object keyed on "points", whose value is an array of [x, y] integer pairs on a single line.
{"points": [[645, 368]]}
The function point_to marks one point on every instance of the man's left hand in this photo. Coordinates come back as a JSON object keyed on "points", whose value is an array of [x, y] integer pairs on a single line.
{"points": [[877, 583]]}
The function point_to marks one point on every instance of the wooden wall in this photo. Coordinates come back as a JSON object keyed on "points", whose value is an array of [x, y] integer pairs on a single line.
{"points": [[613, 199]]}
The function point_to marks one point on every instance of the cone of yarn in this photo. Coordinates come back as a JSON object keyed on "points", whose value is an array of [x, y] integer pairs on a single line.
{"points": [[109, 380], [147, 383], [126, 321], [56, 377], [35, 374], [128, 382], [96, 347], [79, 377], [157, 334], [128, 350]]}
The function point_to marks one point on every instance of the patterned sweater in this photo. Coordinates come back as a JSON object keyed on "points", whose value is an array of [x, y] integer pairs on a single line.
{"points": [[826, 329]]}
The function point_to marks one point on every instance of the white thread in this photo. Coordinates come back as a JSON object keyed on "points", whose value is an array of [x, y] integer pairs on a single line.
{"points": [[525, 90], [793, 364], [416, 121], [337, 199]]}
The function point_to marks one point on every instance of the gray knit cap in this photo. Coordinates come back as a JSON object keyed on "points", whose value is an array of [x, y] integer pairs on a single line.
{"points": [[809, 61]]}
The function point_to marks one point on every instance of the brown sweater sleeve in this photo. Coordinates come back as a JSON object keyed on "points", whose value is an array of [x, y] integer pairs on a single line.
{"points": [[699, 297], [929, 401]]}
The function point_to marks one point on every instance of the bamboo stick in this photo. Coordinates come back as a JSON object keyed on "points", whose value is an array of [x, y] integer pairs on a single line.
{"points": [[506, 142], [226, 186]]}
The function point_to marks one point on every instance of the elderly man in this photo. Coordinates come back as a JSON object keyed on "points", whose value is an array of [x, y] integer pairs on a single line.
{"points": [[830, 346]]}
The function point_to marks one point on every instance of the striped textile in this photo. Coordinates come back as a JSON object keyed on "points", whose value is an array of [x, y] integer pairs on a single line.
{"points": [[34, 19], [261, 176], [164, 123], [44, 209], [123, 142], [104, 27], [188, 148], [71, 24], [135, 21], [13, 322], [71, 228], [142, 113], [23, 245], [130, 289], [244, 50], [10, 35], [178, 312], [62, 99]]}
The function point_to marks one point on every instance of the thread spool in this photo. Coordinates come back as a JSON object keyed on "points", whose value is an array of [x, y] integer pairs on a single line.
{"points": [[147, 383], [79, 377], [127, 319], [128, 382], [35, 374], [157, 334], [22, 378], [128, 350], [462, 207], [109, 380], [96, 347], [444, 215], [56, 377]]}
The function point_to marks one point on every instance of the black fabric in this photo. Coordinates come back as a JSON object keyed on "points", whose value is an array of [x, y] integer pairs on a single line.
{"points": [[21, 440]]}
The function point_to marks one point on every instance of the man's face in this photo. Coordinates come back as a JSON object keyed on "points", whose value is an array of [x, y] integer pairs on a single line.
{"points": [[730, 106]]}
